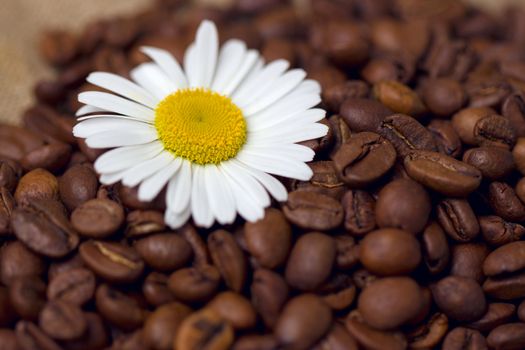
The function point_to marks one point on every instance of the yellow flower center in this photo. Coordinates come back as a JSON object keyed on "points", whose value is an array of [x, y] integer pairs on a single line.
{"points": [[200, 125]]}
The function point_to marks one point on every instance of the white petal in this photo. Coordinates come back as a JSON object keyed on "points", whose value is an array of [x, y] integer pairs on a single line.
{"points": [[179, 189], [116, 104], [289, 134], [118, 138], [151, 187], [283, 152], [230, 58], [153, 79], [272, 185], [251, 88], [293, 103], [220, 198], [298, 119], [290, 168], [202, 214], [168, 64], [92, 126], [201, 68], [123, 87], [111, 178], [277, 90], [309, 86], [249, 185], [133, 176], [126, 157], [247, 206], [87, 109], [250, 61], [113, 116], [176, 220]]}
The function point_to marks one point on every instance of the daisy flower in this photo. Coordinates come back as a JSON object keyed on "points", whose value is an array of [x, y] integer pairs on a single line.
{"points": [[214, 132]]}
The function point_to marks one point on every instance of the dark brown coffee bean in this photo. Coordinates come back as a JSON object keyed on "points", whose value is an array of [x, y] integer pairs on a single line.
{"points": [[112, 261], [335, 95], [164, 251], [160, 328], [269, 240], [390, 252], [324, 180], [505, 202], [364, 159], [269, 293], [10, 172], [97, 218], [458, 219], [8, 340], [75, 286], [18, 261], [436, 251], [206, 330], [30, 337], [144, 222], [130, 341], [496, 315], [327, 75], [493, 162], [487, 91], [443, 96], [51, 125], [390, 302], [403, 204], [460, 298], [505, 259], [118, 308], [518, 153], [310, 261], [95, 337], [7, 313], [36, 184], [253, 341], [156, 291], [27, 296], [429, 334], [52, 157], [276, 48], [43, 226], [464, 122], [442, 173], [304, 320], [467, 260], [235, 309], [58, 267], [341, 133], [78, 185], [370, 338], [195, 284], [447, 139], [338, 338], [58, 47], [313, 211], [62, 320], [398, 97], [497, 231], [505, 288], [347, 252], [338, 292], [391, 67], [363, 115], [507, 336], [513, 108], [359, 208], [494, 130], [463, 338], [227, 256], [521, 311]]}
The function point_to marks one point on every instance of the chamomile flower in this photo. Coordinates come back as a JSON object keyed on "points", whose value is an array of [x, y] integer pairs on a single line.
{"points": [[213, 132]]}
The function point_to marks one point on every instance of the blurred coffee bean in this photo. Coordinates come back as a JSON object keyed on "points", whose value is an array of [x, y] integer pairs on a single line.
{"points": [[16, 260], [269, 293], [204, 329], [75, 286], [29, 336], [144, 222], [398, 97], [62, 320], [507, 336], [335, 95], [464, 338], [467, 260], [118, 308], [372, 338], [429, 334], [155, 289], [227, 256], [58, 47], [514, 109], [195, 284], [443, 96], [27, 296], [161, 327], [97, 218], [496, 315], [235, 309], [164, 252]]}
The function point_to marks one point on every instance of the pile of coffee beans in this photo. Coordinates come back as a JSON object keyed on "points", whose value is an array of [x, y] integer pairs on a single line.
{"points": [[409, 235]]}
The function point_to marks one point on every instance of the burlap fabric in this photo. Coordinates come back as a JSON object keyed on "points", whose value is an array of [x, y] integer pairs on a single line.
{"points": [[21, 22]]}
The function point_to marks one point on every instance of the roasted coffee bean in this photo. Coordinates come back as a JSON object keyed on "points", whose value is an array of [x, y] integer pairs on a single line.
{"points": [[496, 315], [467, 260], [460, 298], [310, 261], [160, 328], [403, 204], [341, 133], [464, 122], [463, 338], [78, 185], [195, 284], [505, 259], [505, 288], [18, 261], [313, 211], [337, 338], [430, 334], [347, 252], [507, 336], [95, 337], [29, 336], [458, 220], [326, 75], [335, 95], [52, 157], [58, 267], [275, 48], [338, 292], [518, 153], [75, 286], [390, 302], [269, 293], [42, 225], [371, 338], [259, 342], [164, 251], [398, 97], [324, 180], [227, 256], [97, 218], [521, 311], [497, 231], [494, 130], [8, 340], [443, 96], [363, 115], [436, 252], [392, 67], [118, 308], [206, 330], [112, 261], [363, 159], [200, 252], [144, 222], [513, 108], [359, 208], [62, 320], [304, 320], [58, 47], [442, 173], [36, 184], [7, 313], [156, 291], [269, 240], [10, 172], [493, 162], [505, 202], [27, 296], [390, 251], [235, 309], [447, 139], [54, 127]]}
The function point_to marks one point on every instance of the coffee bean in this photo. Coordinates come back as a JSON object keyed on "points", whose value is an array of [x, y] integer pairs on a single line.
{"points": [[269, 240], [206, 330], [359, 208], [95, 337], [497, 231], [464, 122], [78, 185], [463, 338], [390, 252], [75, 286], [335, 95], [371, 338], [521, 311], [460, 298], [363, 115], [235, 309], [54, 127], [227, 256], [430, 334], [144, 222], [259, 342], [160, 328], [18, 261], [10, 172], [118, 308], [195, 284], [327, 75], [507, 336], [313, 211], [458, 219], [7, 313], [513, 108], [467, 260], [52, 157], [338, 292], [58, 47], [337, 338], [156, 291], [164, 251], [506, 259], [496, 315], [27, 296], [29, 336], [494, 130], [446, 138], [398, 97], [436, 252], [62, 320], [518, 154], [392, 67], [347, 252], [341, 133], [304, 320], [505, 288], [493, 162], [61, 266], [36, 184], [275, 48], [365, 158], [269, 293], [97, 218], [8, 339], [324, 180], [112, 261], [442, 173], [443, 96], [310, 261], [505, 202]]}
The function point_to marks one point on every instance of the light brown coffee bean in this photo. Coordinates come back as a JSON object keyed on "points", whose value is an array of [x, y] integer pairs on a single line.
{"points": [[227, 256]]}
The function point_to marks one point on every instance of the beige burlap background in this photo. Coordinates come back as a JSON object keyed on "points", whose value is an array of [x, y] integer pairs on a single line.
{"points": [[21, 21]]}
